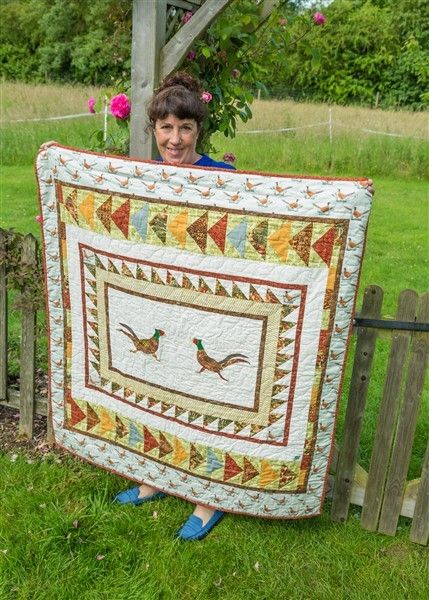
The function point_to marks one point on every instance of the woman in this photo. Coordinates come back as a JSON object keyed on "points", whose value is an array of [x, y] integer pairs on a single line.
{"points": [[176, 115]]}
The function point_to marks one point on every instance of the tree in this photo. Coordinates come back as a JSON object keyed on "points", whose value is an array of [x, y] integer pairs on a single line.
{"points": [[20, 38], [368, 49]]}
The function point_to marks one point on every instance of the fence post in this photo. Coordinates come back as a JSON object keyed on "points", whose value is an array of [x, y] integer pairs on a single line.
{"points": [[387, 417], [3, 316], [401, 451], [420, 526], [28, 349], [365, 346]]}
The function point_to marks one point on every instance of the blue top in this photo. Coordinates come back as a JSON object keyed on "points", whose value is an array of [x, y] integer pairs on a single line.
{"points": [[206, 161]]}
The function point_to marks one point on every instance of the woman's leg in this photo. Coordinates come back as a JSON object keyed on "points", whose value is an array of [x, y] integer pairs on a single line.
{"points": [[204, 513], [146, 490]]}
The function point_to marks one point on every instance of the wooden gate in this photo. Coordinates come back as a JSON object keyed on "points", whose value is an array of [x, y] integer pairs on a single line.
{"points": [[384, 492]]}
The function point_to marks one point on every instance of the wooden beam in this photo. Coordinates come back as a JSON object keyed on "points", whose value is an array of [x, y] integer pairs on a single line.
{"points": [[347, 460], [13, 401], [28, 349], [420, 526], [176, 49], [267, 7], [185, 4], [401, 451], [149, 19], [388, 413]]}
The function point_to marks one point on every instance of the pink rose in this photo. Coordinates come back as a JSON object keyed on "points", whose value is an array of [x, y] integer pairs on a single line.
{"points": [[186, 17], [39, 218], [191, 55], [235, 73], [319, 19], [206, 97], [229, 157], [120, 106], [283, 22], [91, 105]]}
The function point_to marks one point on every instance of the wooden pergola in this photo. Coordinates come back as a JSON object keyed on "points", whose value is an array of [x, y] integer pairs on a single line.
{"points": [[155, 54]]}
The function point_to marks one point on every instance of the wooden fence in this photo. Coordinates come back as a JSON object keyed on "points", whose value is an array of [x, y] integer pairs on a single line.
{"points": [[383, 492]]}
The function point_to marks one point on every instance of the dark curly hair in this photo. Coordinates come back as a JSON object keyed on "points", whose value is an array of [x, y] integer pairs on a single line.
{"points": [[178, 95]]}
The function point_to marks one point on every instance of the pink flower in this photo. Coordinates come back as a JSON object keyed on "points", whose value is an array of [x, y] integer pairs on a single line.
{"points": [[229, 157], [235, 73], [186, 17], [39, 218], [191, 55], [283, 22], [91, 105], [120, 106], [206, 97], [319, 19]]}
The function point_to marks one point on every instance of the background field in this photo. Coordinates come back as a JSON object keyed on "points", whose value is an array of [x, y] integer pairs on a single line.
{"points": [[47, 556], [352, 151]]}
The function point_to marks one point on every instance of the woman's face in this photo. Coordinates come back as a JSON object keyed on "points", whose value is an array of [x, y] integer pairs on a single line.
{"points": [[177, 139]]}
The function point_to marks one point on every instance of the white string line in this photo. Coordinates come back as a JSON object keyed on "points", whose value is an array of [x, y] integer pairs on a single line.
{"points": [[87, 114], [52, 118], [414, 137], [285, 128]]}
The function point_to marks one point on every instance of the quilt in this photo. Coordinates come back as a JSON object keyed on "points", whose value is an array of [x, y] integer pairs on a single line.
{"points": [[199, 322]]}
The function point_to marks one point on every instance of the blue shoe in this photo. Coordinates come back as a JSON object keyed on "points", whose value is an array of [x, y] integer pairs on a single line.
{"points": [[131, 496], [193, 529]]}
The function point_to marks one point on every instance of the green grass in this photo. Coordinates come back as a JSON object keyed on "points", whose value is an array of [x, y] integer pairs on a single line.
{"points": [[57, 518], [360, 156]]}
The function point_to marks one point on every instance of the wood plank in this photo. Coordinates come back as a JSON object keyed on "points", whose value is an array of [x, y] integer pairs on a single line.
{"points": [[28, 349], [388, 413], [178, 46], [267, 7], [148, 37], [40, 408], [185, 4], [365, 346], [401, 452], [172, 21], [358, 492], [3, 315], [420, 526]]}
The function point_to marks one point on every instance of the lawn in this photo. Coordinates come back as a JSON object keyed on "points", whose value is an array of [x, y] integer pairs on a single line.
{"points": [[60, 535], [62, 538]]}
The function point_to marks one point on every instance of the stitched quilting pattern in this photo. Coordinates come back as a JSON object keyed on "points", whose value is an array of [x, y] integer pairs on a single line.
{"points": [[199, 322]]}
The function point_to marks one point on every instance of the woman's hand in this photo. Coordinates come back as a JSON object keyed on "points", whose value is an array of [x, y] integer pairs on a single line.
{"points": [[370, 186]]}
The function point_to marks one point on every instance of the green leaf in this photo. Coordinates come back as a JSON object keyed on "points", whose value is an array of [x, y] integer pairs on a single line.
{"points": [[316, 56]]}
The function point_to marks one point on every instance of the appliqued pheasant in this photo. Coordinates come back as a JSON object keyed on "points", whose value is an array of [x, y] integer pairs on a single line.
{"points": [[216, 366], [147, 346]]}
